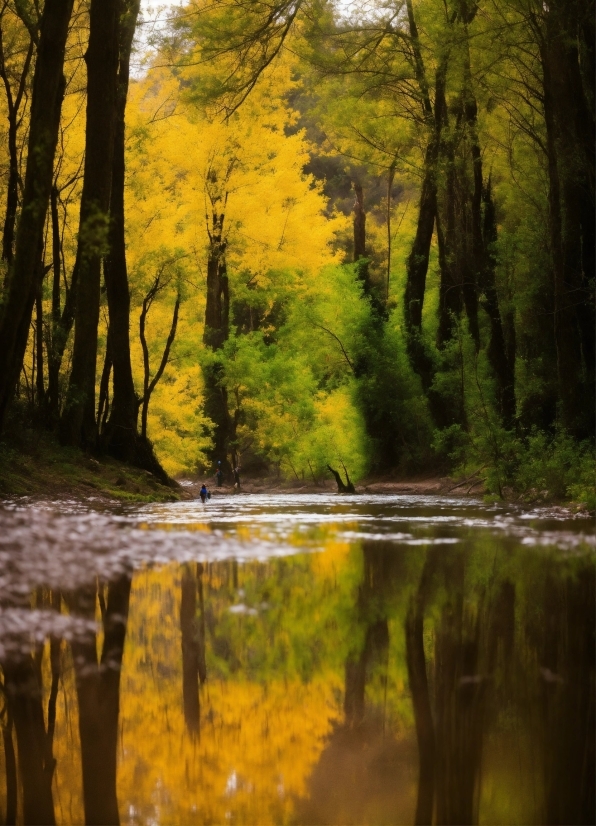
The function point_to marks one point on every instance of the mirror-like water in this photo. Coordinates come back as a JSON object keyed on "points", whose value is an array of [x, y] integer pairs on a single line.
{"points": [[296, 659]]}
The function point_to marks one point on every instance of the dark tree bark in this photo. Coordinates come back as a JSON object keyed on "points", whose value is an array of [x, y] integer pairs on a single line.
{"points": [[217, 312], [121, 437], [62, 319], [103, 405], [78, 424], [501, 358], [480, 276], [417, 263], [46, 105], [569, 129], [342, 487], [53, 348], [40, 391]]}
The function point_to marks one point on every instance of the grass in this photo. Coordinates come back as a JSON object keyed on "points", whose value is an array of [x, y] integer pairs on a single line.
{"points": [[34, 464]]}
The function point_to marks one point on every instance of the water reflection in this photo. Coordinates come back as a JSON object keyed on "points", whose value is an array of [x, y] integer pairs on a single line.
{"points": [[444, 677], [192, 626]]}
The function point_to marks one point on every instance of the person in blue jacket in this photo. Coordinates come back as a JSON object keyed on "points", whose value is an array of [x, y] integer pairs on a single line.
{"points": [[204, 494]]}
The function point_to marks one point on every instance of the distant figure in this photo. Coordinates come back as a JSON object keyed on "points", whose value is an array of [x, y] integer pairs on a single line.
{"points": [[237, 477], [204, 494], [219, 476]]}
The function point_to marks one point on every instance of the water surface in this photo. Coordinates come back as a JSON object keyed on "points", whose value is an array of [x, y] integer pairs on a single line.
{"points": [[296, 659]]}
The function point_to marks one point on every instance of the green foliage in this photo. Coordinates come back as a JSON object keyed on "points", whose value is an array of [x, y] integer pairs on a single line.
{"points": [[558, 465]]}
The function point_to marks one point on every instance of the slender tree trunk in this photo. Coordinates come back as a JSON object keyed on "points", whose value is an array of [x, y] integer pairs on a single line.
{"points": [[78, 425], [360, 238], [484, 238], [46, 105], [53, 348], [12, 190], [501, 359], [216, 332], [121, 434], [104, 387], [39, 378]]}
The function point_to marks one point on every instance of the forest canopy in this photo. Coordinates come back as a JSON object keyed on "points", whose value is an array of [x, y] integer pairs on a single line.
{"points": [[303, 234]]}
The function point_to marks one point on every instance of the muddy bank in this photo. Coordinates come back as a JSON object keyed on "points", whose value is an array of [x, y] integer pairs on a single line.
{"points": [[439, 485]]}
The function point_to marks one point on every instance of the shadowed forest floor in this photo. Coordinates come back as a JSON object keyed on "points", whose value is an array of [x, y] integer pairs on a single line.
{"points": [[38, 466]]}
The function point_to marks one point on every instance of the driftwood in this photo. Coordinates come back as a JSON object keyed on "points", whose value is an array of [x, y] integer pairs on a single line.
{"points": [[348, 487]]}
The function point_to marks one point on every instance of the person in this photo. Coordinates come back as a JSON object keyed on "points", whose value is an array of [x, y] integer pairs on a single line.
{"points": [[219, 475], [237, 477], [204, 494]]}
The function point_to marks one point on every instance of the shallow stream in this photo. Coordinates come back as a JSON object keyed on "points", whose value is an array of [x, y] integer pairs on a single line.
{"points": [[304, 659]]}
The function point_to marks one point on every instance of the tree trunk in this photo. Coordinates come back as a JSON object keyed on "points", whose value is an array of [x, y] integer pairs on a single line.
{"points": [[360, 238], [14, 121], [348, 487], [217, 308], [39, 379], [216, 332], [46, 105], [501, 361], [78, 425], [571, 217], [53, 348], [121, 436], [484, 238]]}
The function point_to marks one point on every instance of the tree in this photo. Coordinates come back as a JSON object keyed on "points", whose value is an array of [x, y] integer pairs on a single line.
{"points": [[78, 423], [24, 274]]}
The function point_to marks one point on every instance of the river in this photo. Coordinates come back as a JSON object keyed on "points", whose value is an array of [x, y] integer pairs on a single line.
{"points": [[373, 659]]}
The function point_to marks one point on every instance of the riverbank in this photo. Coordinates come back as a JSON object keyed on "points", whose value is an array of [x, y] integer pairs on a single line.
{"points": [[38, 466], [423, 485]]}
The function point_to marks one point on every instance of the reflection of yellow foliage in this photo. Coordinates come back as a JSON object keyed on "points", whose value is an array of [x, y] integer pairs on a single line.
{"points": [[258, 743]]}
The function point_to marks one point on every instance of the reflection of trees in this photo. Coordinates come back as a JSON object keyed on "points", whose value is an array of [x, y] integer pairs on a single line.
{"points": [[193, 643], [371, 618], [11, 766], [535, 660], [23, 690], [465, 644], [98, 694], [564, 644], [24, 697]]}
